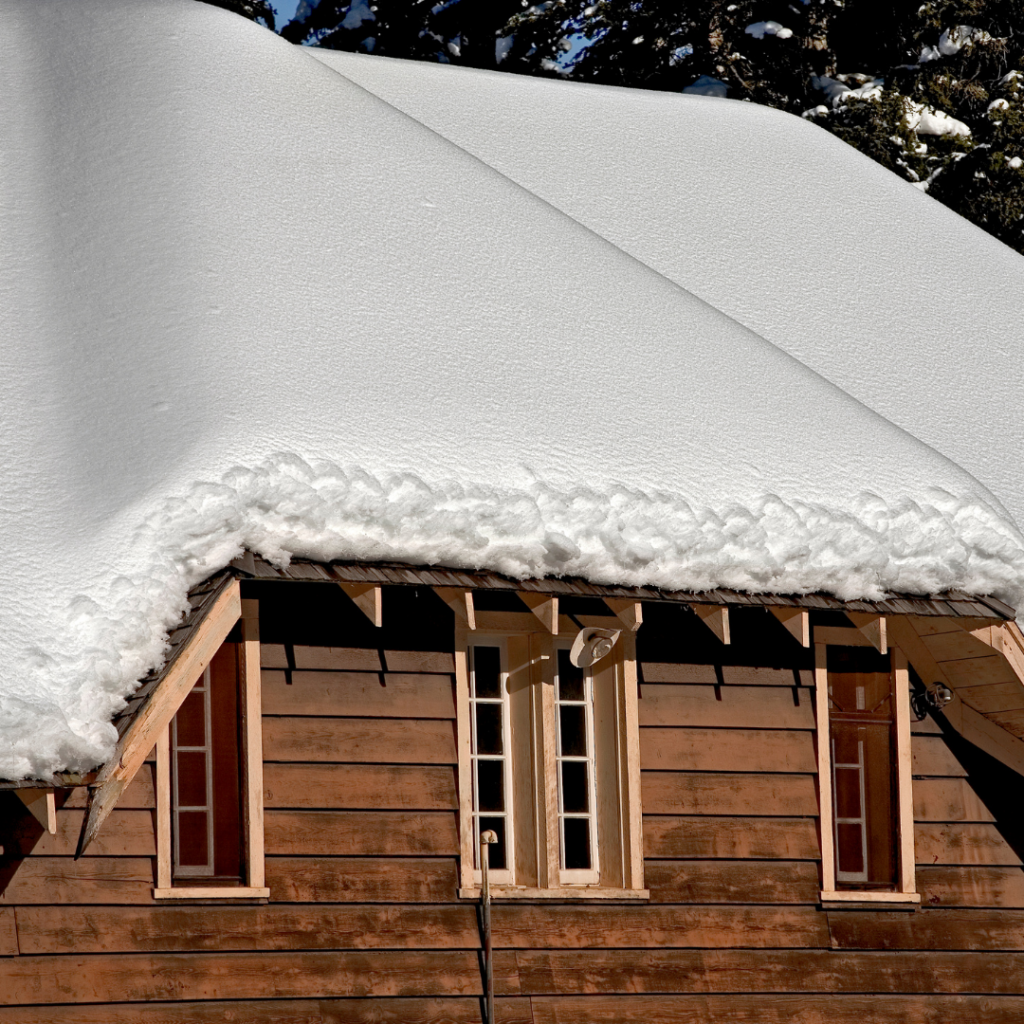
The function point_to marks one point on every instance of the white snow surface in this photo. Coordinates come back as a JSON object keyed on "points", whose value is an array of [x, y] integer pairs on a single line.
{"points": [[886, 293], [250, 304]]}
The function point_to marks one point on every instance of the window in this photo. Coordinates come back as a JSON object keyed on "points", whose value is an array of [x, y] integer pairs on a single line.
{"points": [[209, 780], [548, 759], [863, 699]]}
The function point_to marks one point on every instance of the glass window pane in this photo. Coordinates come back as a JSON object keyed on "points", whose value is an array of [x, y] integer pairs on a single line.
{"points": [[191, 778], [490, 785], [573, 730], [851, 850], [486, 671], [193, 847], [498, 855], [489, 738], [848, 793], [570, 678], [576, 833], [575, 791], [191, 721]]}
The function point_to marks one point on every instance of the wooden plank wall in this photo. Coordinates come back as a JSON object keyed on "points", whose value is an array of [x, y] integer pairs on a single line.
{"points": [[364, 924]]}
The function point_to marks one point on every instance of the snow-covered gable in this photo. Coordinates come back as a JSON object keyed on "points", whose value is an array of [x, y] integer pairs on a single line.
{"points": [[250, 304]]}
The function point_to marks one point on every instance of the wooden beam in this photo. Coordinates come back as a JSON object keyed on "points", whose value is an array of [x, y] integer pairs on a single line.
{"points": [[796, 620], [904, 785], [163, 809], [840, 636], [873, 627], [716, 618], [826, 823], [461, 602], [544, 606], [157, 712], [367, 598], [42, 805], [629, 612], [252, 745]]}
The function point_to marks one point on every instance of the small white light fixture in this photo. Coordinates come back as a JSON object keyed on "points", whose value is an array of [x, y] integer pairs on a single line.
{"points": [[592, 644]]}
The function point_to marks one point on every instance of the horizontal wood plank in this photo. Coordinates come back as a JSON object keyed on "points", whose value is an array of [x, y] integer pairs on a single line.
{"points": [[276, 1011], [361, 833], [8, 932], [994, 697], [358, 694], [979, 671], [89, 880], [362, 879], [124, 834], [507, 1010], [964, 885], [138, 795], [419, 661], [533, 926], [728, 793], [197, 976], [735, 838], [927, 929], [352, 659], [955, 646], [339, 786], [734, 675], [962, 844], [170, 929], [781, 1009], [557, 972], [930, 756], [732, 706], [732, 881], [373, 740], [727, 750], [948, 800]]}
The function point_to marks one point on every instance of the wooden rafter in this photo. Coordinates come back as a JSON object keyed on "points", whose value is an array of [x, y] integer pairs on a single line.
{"points": [[797, 622], [367, 598], [544, 606], [629, 613], [461, 602], [873, 627], [716, 618], [155, 715], [42, 804]]}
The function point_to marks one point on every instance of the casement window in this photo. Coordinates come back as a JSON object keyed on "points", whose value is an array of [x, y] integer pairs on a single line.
{"points": [[209, 781], [548, 760], [864, 772]]}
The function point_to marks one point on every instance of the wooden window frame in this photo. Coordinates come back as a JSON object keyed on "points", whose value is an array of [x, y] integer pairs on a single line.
{"points": [[251, 717], [905, 889], [531, 653]]}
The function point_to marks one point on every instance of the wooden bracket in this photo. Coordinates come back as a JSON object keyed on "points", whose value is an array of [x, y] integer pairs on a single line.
{"points": [[873, 627], [367, 598], [544, 606], [460, 602], [716, 618], [629, 612], [796, 620], [42, 805]]}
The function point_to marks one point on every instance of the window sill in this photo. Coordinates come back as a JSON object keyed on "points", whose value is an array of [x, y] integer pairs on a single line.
{"points": [[847, 899], [521, 892], [209, 892]]}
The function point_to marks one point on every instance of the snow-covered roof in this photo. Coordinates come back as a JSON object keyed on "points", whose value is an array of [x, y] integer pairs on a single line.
{"points": [[250, 304]]}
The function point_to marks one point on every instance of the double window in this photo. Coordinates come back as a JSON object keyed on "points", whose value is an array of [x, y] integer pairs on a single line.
{"points": [[548, 761], [864, 769]]}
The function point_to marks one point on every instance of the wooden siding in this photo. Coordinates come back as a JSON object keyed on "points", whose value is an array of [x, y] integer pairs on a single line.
{"points": [[364, 923]]}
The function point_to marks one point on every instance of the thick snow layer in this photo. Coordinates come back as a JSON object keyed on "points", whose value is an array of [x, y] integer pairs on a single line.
{"points": [[248, 303], [880, 289]]}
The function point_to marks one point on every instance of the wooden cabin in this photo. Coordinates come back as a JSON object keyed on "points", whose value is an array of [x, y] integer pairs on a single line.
{"points": [[688, 830]]}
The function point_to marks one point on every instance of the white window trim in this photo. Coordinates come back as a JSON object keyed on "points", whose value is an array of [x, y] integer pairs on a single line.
{"points": [[540, 772], [251, 770], [905, 891]]}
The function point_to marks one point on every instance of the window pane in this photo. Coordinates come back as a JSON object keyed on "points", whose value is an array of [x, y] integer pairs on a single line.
{"points": [[851, 848], [488, 729], [191, 721], [848, 793], [486, 671], [491, 785], [498, 857], [570, 678], [573, 730], [193, 848], [575, 791], [191, 778], [576, 832]]}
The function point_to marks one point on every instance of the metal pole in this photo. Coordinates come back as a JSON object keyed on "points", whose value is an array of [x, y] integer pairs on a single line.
{"points": [[486, 839]]}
